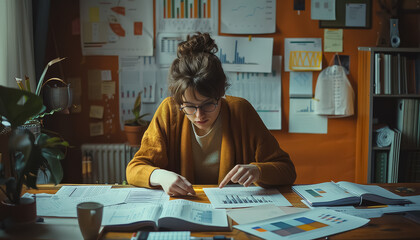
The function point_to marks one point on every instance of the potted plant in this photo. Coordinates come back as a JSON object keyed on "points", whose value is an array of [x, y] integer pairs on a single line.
{"points": [[135, 128], [30, 152], [27, 155]]}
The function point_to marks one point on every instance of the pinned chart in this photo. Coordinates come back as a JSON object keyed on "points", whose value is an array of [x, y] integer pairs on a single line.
{"points": [[306, 225], [186, 15], [232, 197], [240, 54], [248, 16], [262, 90], [116, 27]]}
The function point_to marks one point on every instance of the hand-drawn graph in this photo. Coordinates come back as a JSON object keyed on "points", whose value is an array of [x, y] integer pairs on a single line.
{"points": [[239, 54], [248, 16]]}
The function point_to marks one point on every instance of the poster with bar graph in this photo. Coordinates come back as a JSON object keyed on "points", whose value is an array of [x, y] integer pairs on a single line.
{"points": [[302, 117], [242, 54], [305, 225], [248, 16], [234, 197], [186, 16], [167, 45], [262, 90], [122, 27], [140, 75]]}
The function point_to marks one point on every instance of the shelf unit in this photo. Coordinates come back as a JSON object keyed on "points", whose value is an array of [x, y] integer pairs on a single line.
{"points": [[379, 108]]}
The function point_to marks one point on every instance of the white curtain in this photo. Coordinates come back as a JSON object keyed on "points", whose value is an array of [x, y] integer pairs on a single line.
{"points": [[16, 42]]}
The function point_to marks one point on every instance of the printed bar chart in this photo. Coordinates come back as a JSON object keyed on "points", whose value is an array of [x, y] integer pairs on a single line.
{"points": [[186, 9]]}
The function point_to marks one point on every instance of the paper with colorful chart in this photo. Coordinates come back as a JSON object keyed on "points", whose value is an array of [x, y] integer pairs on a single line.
{"points": [[305, 225], [122, 27]]}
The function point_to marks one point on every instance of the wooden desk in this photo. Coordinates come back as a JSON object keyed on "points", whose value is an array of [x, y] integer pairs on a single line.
{"points": [[394, 226]]}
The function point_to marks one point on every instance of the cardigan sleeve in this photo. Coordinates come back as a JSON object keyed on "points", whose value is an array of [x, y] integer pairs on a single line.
{"points": [[153, 149], [275, 165]]}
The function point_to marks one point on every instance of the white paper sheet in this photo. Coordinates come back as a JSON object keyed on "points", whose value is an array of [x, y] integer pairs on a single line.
{"points": [[248, 16], [240, 54], [185, 16], [302, 54], [233, 197], [141, 74], [262, 90], [300, 84], [323, 9], [259, 213], [355, 15], [302, 118], [321, 222], [117, 27]]}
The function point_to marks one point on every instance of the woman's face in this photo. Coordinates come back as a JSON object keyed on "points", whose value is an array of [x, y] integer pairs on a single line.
{"points": [[206, 113]]}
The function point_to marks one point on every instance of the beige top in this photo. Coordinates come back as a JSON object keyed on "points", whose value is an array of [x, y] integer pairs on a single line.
{"points": [[206, 154]]}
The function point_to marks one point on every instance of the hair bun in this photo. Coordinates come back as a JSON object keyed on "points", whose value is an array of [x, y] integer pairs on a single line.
{"points": [[200, 42]]}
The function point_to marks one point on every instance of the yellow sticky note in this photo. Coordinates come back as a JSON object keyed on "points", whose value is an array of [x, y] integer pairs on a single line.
{"points": [[108, 87], [96, 111], [96, 129], [94, 14]]}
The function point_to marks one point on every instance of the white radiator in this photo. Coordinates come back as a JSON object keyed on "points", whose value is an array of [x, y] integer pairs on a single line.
{"points": [[106, 163]]}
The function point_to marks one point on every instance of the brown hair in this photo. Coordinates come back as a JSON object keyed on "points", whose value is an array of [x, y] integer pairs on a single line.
{"points": [[197, 67]]}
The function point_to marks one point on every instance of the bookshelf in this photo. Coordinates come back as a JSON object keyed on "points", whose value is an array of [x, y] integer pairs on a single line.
{"points": [[388, 96]]}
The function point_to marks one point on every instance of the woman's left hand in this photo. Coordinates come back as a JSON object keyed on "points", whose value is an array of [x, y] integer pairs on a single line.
{"points": [[244, 174]]}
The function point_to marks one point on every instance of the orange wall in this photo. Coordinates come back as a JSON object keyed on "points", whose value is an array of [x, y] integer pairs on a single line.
{"points": [[317, 157]]}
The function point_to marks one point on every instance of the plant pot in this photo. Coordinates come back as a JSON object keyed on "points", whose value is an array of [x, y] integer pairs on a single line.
{"points": [[134, 134], [15, 216]]}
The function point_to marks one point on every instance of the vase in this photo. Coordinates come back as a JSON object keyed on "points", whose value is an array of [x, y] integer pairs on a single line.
{"points": [[15, 216], [134, 134]]}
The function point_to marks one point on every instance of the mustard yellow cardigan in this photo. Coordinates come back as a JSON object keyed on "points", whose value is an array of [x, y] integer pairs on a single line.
{"points": [[166, 144]]}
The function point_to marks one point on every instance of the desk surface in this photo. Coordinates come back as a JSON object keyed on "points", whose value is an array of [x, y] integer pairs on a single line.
{"points": [[394, 226]]}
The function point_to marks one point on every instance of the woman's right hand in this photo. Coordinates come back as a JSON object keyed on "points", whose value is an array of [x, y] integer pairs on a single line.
{"points": [[173, 184]]}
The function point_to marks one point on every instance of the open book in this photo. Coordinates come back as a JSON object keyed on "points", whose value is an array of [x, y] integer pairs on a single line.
{"points": [[180, 215], [346, 193]]}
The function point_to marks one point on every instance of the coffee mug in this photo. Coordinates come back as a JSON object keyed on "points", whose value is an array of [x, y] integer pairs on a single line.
{"points": [[89, 215]]}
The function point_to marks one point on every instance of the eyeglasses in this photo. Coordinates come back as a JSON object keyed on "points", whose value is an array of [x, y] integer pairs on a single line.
{"points": [[206, 107]]}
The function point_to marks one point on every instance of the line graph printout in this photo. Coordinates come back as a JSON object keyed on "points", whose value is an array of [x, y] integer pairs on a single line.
{"points": [[239, 54], [122, 27], [248, 16], [186, 16], [235, 197]]}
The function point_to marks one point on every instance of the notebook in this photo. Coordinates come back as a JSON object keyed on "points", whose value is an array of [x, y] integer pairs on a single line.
{"points": [[346, 193]]}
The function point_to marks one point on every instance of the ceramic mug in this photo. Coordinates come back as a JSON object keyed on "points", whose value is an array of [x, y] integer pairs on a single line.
{"points": [[89, 215]]}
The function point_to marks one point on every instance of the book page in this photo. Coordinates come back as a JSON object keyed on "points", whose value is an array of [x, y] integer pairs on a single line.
{"points": [[354, 188], [130, 213], [198, 213], [322, 192], [373, 189]]}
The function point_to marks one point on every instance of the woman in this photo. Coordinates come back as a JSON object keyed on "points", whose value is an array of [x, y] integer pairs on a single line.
{"points": [[200, 136]]}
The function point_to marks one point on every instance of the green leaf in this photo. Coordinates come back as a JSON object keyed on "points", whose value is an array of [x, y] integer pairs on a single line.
{"points": [[16, 112], [53, 157]]}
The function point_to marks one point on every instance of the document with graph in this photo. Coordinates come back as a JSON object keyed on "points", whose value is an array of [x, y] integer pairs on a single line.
{"points": [[305, 225], [177, 215], [302, 54], [235, 197], [346, 193]]}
